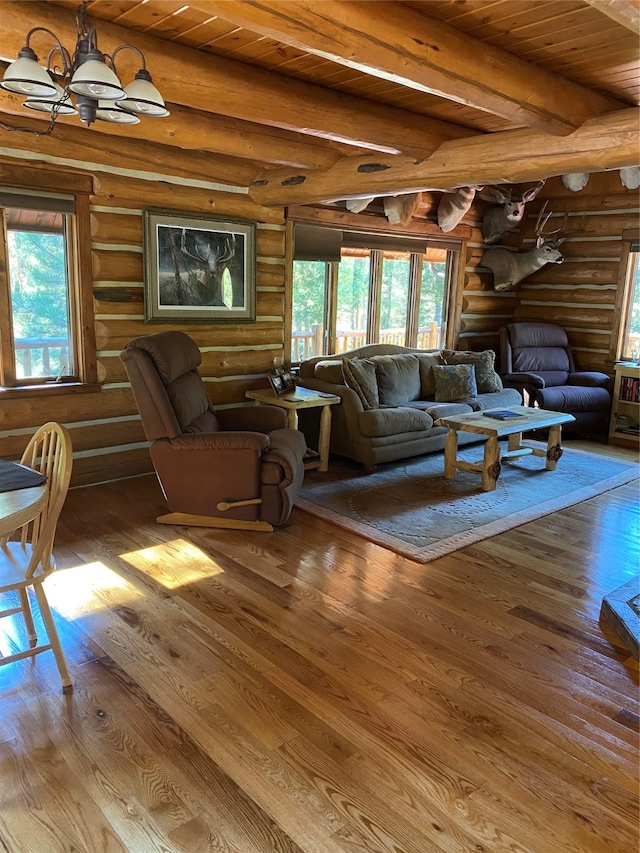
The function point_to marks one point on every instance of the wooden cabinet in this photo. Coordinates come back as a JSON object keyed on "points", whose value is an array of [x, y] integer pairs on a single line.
{"points": [[625, 411]]}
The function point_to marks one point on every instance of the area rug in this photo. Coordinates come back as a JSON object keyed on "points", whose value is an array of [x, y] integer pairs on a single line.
{"points": [[411, 509]]}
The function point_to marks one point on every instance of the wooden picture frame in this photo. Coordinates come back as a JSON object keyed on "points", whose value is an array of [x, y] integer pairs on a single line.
{"points": [[281, 380], [198, 269]]}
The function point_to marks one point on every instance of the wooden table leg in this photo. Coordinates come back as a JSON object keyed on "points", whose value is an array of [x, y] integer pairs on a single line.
{"points": [[491, 464], [324, 437], [450, 453], [515, 441], [554, 446]]}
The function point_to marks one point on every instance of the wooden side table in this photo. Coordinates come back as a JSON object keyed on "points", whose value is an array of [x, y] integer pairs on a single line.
{"points": [[303, 398]]}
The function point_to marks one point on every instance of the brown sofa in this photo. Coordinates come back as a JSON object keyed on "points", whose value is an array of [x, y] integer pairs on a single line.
{"points": [[236, 468], [395, 420]]}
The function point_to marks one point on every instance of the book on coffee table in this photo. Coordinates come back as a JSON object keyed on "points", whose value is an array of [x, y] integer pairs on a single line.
{"points": [[502, 415]]}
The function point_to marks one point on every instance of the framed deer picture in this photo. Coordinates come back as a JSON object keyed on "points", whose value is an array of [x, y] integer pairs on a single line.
{"points": [[198, 269]]}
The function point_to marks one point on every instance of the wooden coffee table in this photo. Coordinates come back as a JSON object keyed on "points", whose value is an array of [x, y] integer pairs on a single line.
{"points": [[480, 424]]}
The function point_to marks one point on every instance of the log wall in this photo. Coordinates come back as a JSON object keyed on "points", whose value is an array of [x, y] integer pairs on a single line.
{"points": [[108, 440], [583, 294]]}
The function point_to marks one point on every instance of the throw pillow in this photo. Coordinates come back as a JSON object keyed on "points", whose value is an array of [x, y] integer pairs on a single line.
{"points": [[427, 382], [487, 379], [329, 370], [454, 382], [360, 374], [398, 378]]}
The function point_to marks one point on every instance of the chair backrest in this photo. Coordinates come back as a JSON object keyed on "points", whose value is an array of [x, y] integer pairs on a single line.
{"points": [[540, 348], [49, 451], [170, 395]]}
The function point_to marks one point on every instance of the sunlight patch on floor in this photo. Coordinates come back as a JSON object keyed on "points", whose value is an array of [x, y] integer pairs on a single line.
{"points": [[88, 587], [195, 564], [13, 633]]}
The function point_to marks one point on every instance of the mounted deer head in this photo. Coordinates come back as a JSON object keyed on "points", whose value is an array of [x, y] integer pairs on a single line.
{"points": [[630, 177], [509, 267], [576, 181], [500, 219], [357, 205], [453, 206], [399, 209]]}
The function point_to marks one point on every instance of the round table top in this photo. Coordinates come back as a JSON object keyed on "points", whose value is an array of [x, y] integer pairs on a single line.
{"points": [[19, 506]]}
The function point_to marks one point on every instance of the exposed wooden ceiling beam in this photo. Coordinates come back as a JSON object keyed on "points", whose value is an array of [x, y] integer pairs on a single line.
{"points": [[391, 41], [212, 84], [204, 131], [624, 12], [197, 131], [112, 152], [607, 142]]}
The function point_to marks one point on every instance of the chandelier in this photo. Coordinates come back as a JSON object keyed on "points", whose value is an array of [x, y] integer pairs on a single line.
{"points": [[85, 83]]}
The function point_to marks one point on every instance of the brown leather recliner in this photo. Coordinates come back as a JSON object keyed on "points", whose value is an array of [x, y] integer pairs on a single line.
{"points": [[235, 468]]}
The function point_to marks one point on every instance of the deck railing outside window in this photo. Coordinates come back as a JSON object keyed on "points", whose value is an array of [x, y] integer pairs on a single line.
{"points": [[633, 345], [309, 344], [41, 358]]}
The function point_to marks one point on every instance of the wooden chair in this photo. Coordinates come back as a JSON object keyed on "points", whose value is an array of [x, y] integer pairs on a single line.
{"points": [[28, 560]]}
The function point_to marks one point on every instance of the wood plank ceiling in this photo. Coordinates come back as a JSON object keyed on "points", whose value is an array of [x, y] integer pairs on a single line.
{"points": [[317, 101]]}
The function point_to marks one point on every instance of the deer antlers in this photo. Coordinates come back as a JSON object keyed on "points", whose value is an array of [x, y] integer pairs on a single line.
{"points": [[206, 255], [558, 235]]}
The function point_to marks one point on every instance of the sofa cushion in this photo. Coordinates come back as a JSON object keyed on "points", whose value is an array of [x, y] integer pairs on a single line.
{"points": [[329, 371], [360, 374], [454, 382], [498, 400], [426, 362], [398, 378], [487, 380], [448, 410], [377, 423]]}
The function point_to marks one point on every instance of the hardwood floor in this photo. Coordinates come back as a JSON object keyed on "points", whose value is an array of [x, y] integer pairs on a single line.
{"points": [[305, 690]]}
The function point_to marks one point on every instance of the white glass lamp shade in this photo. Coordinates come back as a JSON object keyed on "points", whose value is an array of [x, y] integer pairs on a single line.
{"points": [[59, 102], [94, 79], [108, 111], [143, 97], [26, 77]]}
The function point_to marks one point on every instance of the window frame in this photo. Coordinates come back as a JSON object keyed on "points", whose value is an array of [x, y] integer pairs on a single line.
{"points": [[630, 257], [33, 183], [454, 248]]}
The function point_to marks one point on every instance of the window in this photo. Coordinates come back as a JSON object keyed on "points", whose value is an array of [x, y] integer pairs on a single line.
{"points": [[352, 301], [46, 319], [39, 295], [394, 296], [631, 330], [309, 305], [375, 289]]}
